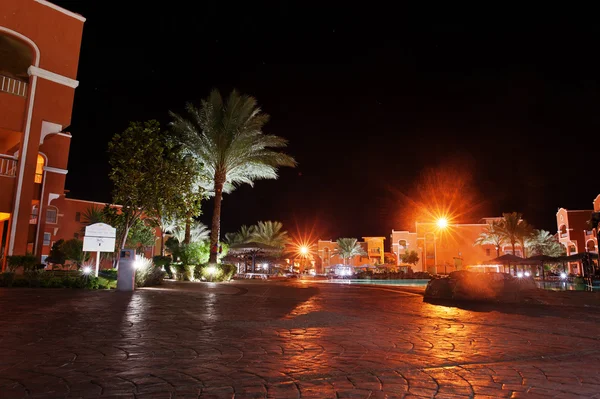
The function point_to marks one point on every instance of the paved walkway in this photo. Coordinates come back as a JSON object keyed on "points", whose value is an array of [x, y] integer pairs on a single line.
{"points": [[258, 339]]}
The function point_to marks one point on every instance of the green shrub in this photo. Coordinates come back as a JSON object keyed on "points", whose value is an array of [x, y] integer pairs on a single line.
{"points": [[181, 272], [27, 262], [212, 272], [164, 262], [53, 282], [20, 282], [109, 274], [7, 279]]}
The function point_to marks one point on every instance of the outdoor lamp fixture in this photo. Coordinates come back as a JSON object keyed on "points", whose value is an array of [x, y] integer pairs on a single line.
{"points": [[442, 223], [304, 250], [87, 270], [211, 270], [520, 274], [527, 274], [563, 275]]}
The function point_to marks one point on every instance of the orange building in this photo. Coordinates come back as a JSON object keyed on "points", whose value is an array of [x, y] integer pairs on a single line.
{"points": [[327, 250], [442, 250], [39, 54], [575, 234]]}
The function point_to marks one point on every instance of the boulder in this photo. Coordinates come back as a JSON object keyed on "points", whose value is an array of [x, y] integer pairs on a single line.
{"points": [[474, 286], [439, 288]]}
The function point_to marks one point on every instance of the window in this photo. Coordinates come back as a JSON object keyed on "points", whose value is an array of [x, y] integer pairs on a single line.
{"points": [[34, 215], [47, 238], [487, 252], [78, 216], [39, 169], [51, 215]]}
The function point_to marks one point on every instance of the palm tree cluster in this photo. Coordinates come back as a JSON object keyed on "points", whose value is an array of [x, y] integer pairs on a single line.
{"points": [[512, 230], [226, 137], [269, 233]]}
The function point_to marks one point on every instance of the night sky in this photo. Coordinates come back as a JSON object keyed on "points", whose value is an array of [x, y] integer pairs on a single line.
{"points": [[373, 101]]}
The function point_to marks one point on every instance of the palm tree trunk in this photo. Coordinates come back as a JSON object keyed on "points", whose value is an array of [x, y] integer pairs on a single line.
{"points": [[162, 243], [513, 248], [216, 220], [188, 228], [497, 251]]}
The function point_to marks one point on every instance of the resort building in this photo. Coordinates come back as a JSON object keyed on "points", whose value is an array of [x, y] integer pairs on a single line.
{"points": [[39, 54], [575, 234], [442, 250], [327, 251]]}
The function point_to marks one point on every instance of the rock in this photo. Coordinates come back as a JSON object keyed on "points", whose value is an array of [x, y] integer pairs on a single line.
{"points": [[438, 288], [473, 286]]}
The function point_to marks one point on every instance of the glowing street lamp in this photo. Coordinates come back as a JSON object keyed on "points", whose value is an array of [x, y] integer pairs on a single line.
{"points": [[304, 250], [442, 223]]}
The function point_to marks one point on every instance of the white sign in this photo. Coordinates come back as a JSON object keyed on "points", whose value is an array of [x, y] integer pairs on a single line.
{"points": [[98, 244], [100, 230], [99, 237]]}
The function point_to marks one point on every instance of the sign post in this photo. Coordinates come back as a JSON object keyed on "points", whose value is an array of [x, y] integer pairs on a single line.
{"points": [[99, 237]]}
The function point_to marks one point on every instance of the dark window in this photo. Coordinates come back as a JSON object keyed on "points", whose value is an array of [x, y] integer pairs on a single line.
{"points": [[487, 252], [47, 238], [78, 216]]}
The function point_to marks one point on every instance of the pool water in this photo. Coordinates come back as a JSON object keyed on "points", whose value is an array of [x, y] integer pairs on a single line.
{"points": [[403, 283]]}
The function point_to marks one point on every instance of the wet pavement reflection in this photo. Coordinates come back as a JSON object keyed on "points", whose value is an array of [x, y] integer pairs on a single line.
{"points": [[255, 339]]}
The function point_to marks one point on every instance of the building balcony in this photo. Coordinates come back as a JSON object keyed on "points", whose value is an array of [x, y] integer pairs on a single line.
{"points": [[8, 165], [13, 86], [589, 233], [564, 235]]}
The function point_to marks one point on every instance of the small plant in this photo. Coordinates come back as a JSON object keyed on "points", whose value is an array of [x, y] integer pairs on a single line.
{"points": [[147, 274]]}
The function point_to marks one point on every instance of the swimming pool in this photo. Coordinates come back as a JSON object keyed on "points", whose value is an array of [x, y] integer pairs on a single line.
{"points": [[402, 283]]}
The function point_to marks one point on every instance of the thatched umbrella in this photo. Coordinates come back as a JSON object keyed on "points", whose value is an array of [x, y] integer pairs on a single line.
{"points": [[252, 249]]}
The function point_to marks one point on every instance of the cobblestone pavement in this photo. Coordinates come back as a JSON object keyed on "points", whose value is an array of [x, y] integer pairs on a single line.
{"points": [[288, 340]]}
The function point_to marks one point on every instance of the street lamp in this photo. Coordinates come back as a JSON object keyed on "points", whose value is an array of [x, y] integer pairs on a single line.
{"points": [[442, 223]]}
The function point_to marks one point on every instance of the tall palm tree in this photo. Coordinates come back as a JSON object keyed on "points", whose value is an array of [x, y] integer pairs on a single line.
{"points": [[227, 138], [515, 230], [492, 235], [241, 237], [348, 248], [271, 233]]}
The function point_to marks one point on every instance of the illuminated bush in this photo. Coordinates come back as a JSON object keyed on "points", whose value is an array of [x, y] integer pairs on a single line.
{"points": [[146, 274]]}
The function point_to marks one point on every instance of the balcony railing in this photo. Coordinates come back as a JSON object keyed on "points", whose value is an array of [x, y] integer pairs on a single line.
{"points": [[564, 235], [589, 232], [13, 86], [8, 166]]}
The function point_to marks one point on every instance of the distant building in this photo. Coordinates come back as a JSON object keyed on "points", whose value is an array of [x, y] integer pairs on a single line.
{"points": [[575, 233], [327, 251], [444, 250], [39, 54]]}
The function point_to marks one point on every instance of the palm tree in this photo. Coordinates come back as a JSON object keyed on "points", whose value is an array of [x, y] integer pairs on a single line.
{"points": [[515, 230], [542, 242], [492, 235], [197, 232], [241, 237], [270, 233], [227, 138], [348, 248], [166, 225]]}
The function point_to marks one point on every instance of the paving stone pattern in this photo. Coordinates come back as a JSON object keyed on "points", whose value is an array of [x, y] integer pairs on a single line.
{"points": [[289, 340]]}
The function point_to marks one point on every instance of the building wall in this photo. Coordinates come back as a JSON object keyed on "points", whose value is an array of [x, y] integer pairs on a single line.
{"points": [[573, 230], [375, 249], [34, 122]]}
